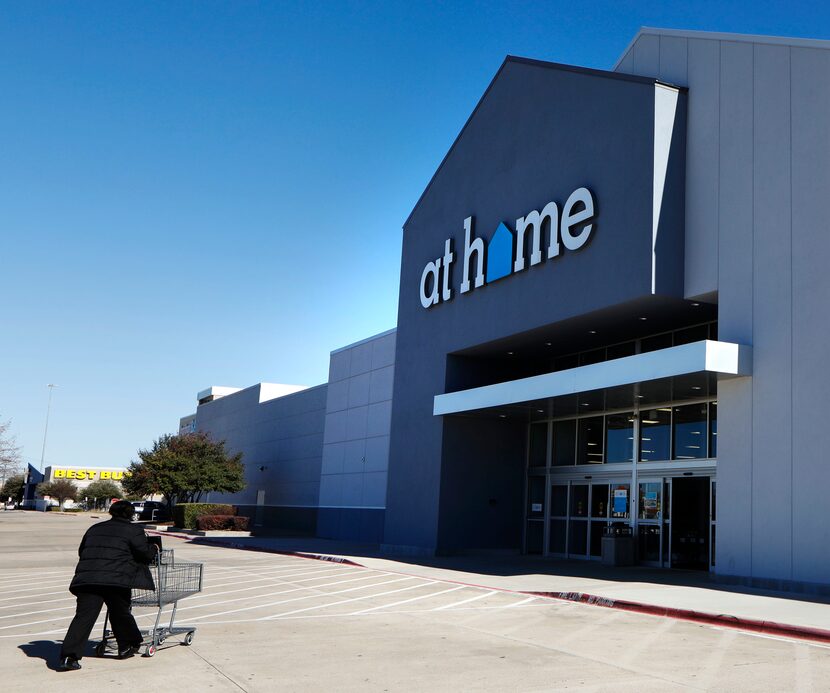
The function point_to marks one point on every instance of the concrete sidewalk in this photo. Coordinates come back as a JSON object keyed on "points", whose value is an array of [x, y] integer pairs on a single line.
{"points": [[677, 593]]}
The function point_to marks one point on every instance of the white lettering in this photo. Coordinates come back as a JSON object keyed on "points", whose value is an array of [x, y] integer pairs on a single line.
{"points": [[431, 270], [536, 221], [446, 292], [470, 247], [571, 218]]}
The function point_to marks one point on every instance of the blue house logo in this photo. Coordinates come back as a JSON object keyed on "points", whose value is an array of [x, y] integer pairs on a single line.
{"points": [[505, 254], [500, 254]]}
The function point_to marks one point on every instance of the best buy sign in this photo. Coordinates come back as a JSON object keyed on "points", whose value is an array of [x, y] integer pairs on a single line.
{"points": [[505, 253], [88, 474]]}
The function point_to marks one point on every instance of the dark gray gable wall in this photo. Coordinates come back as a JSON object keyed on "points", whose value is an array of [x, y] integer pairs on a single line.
{"points": [[540, 132]]}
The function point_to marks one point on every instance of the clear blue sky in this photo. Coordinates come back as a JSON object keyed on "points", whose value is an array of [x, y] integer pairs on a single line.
{"points": [[206, 193]]}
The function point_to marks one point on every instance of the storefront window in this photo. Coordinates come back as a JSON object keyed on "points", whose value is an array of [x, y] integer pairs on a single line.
{"points": [[655, 434], [538, 445], [690, 432], [579, 500], [590, 441], [620, 501], [558, 500], [599, 500], [650, 500], [619, 351], [564, 443], [586, 358], [713, 429], [619, 437]]}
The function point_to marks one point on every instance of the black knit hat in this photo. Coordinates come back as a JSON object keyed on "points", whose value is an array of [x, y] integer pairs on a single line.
{"points": [[122, 509]]}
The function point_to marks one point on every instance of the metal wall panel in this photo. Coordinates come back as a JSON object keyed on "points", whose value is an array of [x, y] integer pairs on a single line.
{"points": [[702, 167], [673, 60], [735, 199], [647, 56], [811, 297], [772, 317]]}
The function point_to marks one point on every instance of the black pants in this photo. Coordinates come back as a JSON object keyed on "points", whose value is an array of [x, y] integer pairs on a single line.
{"points": [[90, 601]]}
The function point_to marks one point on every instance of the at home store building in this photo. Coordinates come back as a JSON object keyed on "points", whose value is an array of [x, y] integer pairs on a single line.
{"points": [[612, 311]]}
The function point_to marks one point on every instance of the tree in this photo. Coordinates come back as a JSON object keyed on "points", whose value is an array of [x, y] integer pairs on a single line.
{"points": [[10, 460], [102, 490], [183, 467], [13, 488], [62, 489]]}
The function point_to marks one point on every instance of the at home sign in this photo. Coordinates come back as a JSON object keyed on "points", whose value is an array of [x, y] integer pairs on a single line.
{"points": [[505, 253]]}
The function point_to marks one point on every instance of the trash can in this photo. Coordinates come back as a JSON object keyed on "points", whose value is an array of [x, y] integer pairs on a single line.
{"points": [[617, 545]]}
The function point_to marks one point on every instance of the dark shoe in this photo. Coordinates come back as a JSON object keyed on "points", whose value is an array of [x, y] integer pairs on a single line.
{"points": [[128, 652], [68, 664]]}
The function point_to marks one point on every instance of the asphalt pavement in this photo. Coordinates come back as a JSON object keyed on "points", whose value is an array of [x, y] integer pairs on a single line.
{"points": [[276, 622]]}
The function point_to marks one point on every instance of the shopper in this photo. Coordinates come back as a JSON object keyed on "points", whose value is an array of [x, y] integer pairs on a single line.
{"points": [[114, 558]]}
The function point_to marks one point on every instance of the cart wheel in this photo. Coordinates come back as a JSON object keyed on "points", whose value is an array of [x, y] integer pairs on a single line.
{"points": [[161, 639], [101, 648], [150, 651], [188, 639]]}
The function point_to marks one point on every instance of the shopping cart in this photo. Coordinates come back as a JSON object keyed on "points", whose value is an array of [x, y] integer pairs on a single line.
{"points": [[174, 580]]}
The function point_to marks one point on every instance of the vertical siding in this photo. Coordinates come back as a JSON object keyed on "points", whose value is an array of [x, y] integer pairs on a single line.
{"points": [[702, 167], [735, 204], [772, 317], [647, 56], [355, 457], [673, 60], [627, 63], [757, 187], [811, 298]]}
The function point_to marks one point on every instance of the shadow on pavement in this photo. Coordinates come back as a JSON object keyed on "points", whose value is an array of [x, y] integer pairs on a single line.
{"points": [[47, 650], [510, 564]]}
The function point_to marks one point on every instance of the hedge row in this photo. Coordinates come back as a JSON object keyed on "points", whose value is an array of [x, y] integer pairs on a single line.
{"points": [[227, 522], [185, 515]]}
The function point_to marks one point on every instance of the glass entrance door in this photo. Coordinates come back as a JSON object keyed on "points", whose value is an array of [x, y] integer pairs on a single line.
{"points": [[690, 523], [579, 511], [649, 521]]}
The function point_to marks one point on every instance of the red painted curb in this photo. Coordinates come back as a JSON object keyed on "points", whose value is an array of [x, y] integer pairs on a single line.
{"points": [[261, 549], [725, 620]]}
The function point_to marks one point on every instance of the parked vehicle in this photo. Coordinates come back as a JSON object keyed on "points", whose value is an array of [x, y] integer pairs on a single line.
{"points": [[150, 510]]}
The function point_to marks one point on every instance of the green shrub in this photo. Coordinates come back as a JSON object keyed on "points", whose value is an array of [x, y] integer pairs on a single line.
{"points": [[226, 522], [186, 514]]}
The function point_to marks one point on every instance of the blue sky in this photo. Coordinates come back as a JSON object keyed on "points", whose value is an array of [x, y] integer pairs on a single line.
{"points": [[206, 193]]}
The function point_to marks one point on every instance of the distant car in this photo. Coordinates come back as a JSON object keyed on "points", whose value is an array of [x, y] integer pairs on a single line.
{"points": [[149, 510]]}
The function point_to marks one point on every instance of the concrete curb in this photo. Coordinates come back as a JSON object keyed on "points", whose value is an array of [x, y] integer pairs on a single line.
{"points": [[723, 620]]}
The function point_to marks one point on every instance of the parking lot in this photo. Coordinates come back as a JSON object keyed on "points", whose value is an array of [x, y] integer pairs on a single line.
{"points": [[271, 622]]}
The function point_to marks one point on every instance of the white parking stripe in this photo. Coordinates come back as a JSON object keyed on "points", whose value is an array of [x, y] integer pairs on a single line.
{"points": [[465, 601], [45, 594], [514, 604], [206, 605], [11, 582], [407, 601], [208, 593], [538, 605], [271, 594], [42, 601], [342, 601], [276, 579], [41, 611], [296, 599], [35, 586]]}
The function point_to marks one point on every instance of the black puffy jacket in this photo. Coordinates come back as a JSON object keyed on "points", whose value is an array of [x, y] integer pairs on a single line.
{"points": [[115, 553]]}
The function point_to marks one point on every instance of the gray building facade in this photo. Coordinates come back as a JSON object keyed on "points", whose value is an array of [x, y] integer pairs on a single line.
{"points": [[611, 315]]}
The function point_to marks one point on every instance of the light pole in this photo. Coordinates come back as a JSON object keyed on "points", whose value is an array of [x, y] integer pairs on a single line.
{"points": [[51, 386]]}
